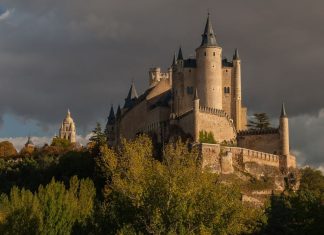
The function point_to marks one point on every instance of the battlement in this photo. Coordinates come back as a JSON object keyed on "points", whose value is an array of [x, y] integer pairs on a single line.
{"points": [[268, 157], [155, 76], [259, 132]]}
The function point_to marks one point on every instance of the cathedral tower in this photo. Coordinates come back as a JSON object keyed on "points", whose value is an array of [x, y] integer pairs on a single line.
{"points": [[209, 69], [68, 130]]}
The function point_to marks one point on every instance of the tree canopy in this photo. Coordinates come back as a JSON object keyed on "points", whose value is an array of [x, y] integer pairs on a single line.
{"points": [[259, 121]]}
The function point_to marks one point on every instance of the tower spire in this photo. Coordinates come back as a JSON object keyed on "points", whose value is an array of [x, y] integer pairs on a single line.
{"points": [[111, 117], [208, 37], [236, 55], [132, 95], [174, 61], [180, 56], [196, 95], [283, 111]]}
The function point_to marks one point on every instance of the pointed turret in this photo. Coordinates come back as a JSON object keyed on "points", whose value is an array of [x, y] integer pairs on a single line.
{"points": [[208, 37], [180, 56], [132, 95], [236, 55], [283, 111], [111, 117], [196, 95], [174, 61], [118, 114]]}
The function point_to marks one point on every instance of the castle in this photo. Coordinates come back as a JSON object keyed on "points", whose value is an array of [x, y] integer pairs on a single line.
{"points": [[203, 94], [67, 129]]}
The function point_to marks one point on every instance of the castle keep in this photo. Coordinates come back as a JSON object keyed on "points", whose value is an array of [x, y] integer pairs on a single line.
{"points": [[202, 94]]}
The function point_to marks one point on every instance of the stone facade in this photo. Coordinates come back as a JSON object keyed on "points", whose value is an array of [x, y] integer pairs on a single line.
{"points": [[67, 129], [202, 93]]}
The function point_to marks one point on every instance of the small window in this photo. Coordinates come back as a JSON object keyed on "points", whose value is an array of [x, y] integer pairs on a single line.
{"points": [[227, 90], [189, 70], [205, 53], [189, 90], [214, 53]]}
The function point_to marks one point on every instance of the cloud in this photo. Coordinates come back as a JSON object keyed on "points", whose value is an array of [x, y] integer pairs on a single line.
{"points": [[19, 142], [306, 139], [69, 54], [5, 14]]}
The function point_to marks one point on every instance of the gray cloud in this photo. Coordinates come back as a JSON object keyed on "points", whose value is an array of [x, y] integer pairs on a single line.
{"points": [[74, 54]]}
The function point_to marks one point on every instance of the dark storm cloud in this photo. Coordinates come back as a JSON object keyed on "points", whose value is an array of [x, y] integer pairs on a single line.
{"points": [[82, 55]]}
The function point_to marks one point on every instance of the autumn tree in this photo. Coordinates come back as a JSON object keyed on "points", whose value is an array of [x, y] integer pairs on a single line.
{"points": [[7, 149]]}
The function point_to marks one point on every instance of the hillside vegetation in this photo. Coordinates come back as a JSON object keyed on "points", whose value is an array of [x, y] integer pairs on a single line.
{"points": [[98, 190]]}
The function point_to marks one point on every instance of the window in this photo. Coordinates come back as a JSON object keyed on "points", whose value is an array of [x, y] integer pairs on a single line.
{"points": [[227, 90], [214, 53], [189, 90], [205, 53]]}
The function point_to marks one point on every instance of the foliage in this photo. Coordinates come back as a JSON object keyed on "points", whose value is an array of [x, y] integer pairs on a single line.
{"points": [[97, 140], [53, 209], [59, 142], [7, 149], [31, 171], [300, 212], [143, 195], [206, 137], [260, 121]]}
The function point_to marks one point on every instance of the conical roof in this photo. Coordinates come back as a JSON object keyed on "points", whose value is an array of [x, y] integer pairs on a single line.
{"points": [[208, 37], [236, 55], [283, 111], [132, 95], [111, 117], [180, 56]]}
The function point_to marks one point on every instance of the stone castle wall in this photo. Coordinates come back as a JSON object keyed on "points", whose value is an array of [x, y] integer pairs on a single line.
{"points": [[217, 122], [218, 159], [264, 142]]}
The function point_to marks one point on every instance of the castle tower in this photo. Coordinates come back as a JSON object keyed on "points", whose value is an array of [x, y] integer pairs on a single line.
{"points": [[196, 118], [68, 130], [209, 69], [238, 91], [284, 132]]}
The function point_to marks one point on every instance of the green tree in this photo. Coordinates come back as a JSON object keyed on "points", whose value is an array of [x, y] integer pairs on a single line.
{"points": [[260, 121], [300, 212], [206, 137], [175, 196], [61, 143], [53, 209]]}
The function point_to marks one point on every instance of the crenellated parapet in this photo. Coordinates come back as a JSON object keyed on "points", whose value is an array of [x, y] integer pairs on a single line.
{"points": [[258, 132]]}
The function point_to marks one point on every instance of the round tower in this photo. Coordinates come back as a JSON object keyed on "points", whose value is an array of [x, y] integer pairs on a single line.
{"points": [[238, 90], [284, 132], [209, 69]]}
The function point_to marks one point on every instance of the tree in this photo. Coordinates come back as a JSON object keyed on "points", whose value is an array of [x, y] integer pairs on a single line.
{"points": [[260, 121], [97, 140], [61, 143], [172, 196], [300, 212], [206, 137], [53, 209], [7, 149]]}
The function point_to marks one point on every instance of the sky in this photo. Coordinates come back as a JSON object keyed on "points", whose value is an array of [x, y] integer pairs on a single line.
{"points": [[83, 55]]}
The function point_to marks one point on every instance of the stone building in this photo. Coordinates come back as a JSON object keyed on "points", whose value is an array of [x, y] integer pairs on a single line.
{"points": [[201, 94], [67, 129]]}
